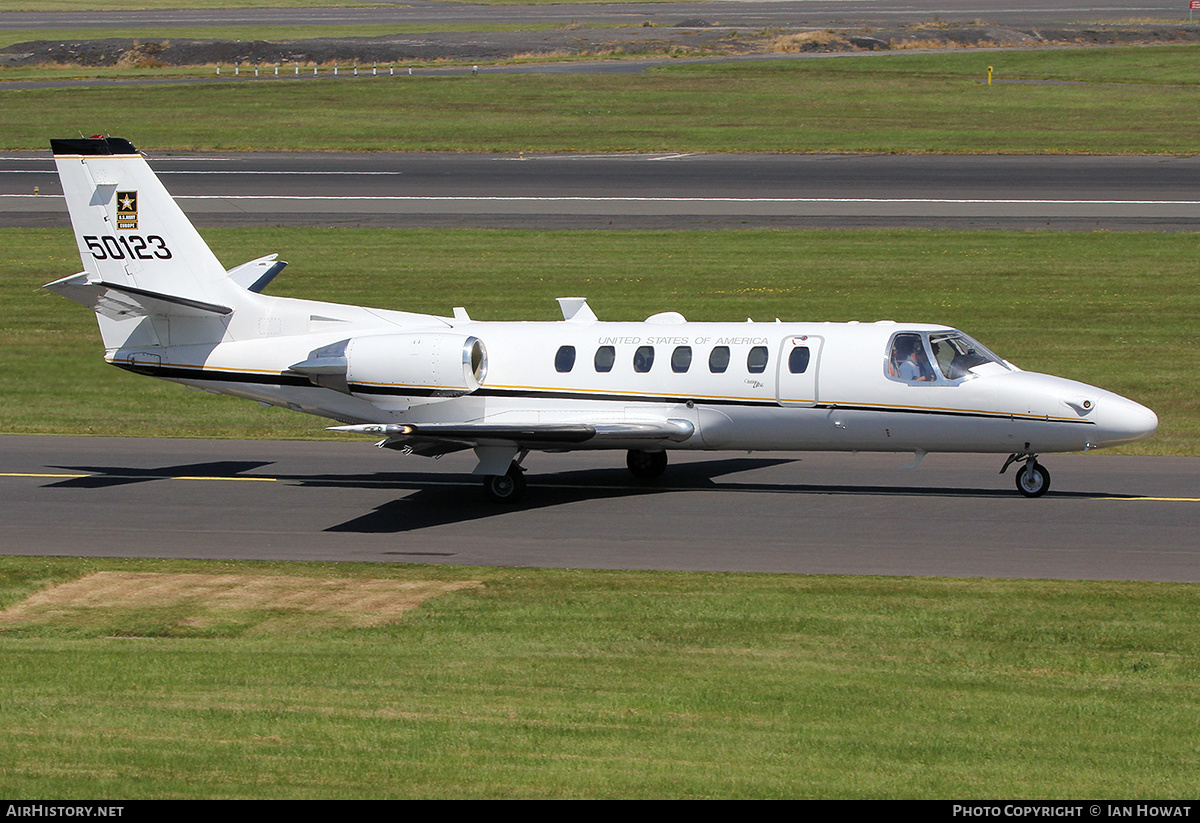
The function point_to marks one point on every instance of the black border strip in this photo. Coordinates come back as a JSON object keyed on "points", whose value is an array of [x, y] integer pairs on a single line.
{"points": [[92, 146]]}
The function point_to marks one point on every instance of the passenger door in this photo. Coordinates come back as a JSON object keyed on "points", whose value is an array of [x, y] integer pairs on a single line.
{"points": [[797, 370]]}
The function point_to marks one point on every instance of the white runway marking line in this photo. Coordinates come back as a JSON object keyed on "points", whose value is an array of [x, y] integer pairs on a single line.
{"points": [[583, 199], [485, 198]]}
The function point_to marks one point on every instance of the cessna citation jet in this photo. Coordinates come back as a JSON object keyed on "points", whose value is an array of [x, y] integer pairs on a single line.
{"points": [[431, 385]]}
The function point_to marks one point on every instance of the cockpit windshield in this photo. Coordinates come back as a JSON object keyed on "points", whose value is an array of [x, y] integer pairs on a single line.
{"points": [[937, 357], [958, 355]]}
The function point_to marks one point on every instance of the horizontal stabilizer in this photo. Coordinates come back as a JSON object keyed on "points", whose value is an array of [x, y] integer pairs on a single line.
{"points": [[119, 302]]}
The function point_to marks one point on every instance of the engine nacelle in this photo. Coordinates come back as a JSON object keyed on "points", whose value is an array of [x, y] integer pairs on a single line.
{"points": [[417, 364]]}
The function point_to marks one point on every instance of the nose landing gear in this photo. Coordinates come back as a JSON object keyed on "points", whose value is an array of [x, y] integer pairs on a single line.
{"points": [[1033, 480]]}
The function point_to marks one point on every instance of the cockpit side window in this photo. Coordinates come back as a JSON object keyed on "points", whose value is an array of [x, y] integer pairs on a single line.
{"points": [[908, 360]]}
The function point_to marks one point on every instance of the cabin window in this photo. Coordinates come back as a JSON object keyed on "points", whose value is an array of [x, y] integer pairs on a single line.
{"points": [[564, 360], [681, 359], [605, 357], [643, 359], [798, 360], [756, 361], [718, 360]]}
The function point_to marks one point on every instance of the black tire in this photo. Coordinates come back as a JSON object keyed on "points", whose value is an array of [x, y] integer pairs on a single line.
{"points": [[1033, 481], [646, 465], [505, 488]]}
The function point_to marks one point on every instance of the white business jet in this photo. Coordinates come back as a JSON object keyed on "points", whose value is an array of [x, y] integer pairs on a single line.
{"points": [[431, 385]]}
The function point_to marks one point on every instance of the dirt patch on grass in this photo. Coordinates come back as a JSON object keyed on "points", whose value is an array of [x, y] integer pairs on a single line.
{"points": [[689, 37], [251, 603], [810, 41]]}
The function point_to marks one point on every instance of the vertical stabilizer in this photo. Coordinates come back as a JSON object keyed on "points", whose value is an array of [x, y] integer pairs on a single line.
{"points": [[129, 230]]}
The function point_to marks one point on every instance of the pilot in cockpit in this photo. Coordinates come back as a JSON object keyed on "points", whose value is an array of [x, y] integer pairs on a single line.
{"points": [[915, 367]]}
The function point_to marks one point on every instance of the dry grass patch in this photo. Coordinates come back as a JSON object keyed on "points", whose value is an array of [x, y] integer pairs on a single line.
{"points": [[255, 604], [143, 56], [810, 41]]}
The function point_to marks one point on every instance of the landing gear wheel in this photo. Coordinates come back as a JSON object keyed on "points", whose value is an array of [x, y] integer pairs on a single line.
{"points": [[646, 465], [505, 488], [1033, 480]]}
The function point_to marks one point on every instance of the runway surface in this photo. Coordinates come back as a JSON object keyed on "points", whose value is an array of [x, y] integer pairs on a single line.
{"points": [[649, 190], [1106, 517]]}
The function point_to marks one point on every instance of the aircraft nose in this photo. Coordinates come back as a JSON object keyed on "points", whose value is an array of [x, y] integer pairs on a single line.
{"points": [[1121, 420]]}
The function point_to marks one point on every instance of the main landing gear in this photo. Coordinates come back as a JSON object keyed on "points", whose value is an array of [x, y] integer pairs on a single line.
{"points": [[508, 488], [1033, 480], [646, 465], [505, 488]]}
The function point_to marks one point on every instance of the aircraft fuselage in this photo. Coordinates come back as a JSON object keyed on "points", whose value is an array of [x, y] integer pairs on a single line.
{"points": [[747, 399]]}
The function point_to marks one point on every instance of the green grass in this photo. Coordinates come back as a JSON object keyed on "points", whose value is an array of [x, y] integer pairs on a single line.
{"points": [[1116, 310], [565, 684], [897, 103], [1153, 65]]}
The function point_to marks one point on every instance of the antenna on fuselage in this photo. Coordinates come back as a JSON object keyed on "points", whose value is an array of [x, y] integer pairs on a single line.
{"points": [[576, 310]]}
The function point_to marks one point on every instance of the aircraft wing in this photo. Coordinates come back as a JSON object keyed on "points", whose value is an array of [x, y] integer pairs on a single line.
{"points": [[439, 438]]}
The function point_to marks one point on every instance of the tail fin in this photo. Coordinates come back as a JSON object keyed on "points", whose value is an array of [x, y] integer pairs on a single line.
{"points": [[129, 229], [143, 260]]}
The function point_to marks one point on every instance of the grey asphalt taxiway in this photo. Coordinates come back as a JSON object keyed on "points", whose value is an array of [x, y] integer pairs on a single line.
{"points": [[665, 190], [1106, 517]]}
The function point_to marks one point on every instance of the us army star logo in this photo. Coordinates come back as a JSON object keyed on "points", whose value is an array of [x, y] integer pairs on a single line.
{"points": [[127, 210]]}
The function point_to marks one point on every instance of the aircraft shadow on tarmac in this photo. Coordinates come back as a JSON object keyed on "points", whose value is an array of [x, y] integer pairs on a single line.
{"points": [[444, 499], [105, 476]]}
